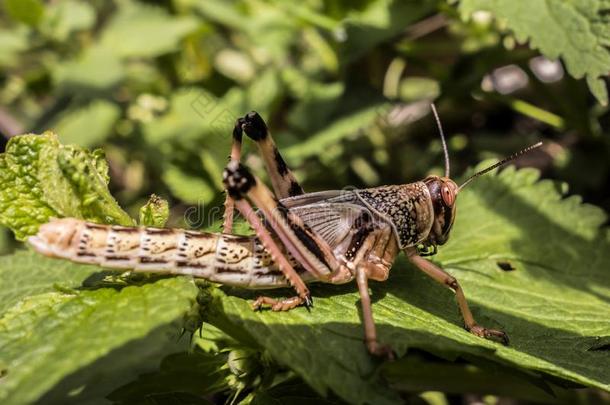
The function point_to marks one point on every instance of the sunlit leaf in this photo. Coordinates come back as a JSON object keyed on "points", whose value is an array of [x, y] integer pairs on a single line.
{"points": [[41, 179]]}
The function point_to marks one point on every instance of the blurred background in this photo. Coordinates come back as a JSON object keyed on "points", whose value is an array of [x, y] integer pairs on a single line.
{"points": [[345, 87]]}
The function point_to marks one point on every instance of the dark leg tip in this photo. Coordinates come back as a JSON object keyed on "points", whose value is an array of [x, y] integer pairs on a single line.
{"points": [[498, 336], [308, 301], [384, 352], [254, 126], [237, 130]]}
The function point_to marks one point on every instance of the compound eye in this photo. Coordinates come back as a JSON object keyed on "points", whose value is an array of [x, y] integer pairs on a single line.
{"points": [[447, 196]]}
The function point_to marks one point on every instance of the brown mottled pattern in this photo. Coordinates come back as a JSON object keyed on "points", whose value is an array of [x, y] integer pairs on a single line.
{"points": [[407, 206], [233, 251]]}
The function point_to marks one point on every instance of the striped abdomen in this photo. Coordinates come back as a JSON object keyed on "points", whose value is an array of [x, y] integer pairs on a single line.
{"points": [[227, 259]]}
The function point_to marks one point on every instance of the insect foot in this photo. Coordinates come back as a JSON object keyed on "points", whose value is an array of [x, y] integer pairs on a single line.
{"points": [[379, 350], [491, 334], [237, 179], [280, 305]]}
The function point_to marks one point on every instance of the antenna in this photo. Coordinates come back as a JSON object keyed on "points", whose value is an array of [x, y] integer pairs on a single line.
{"points": [[440, 130], [500, 163]]}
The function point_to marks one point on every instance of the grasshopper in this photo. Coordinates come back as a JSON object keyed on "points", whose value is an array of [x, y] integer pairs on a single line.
{"points": [[328, 236]]}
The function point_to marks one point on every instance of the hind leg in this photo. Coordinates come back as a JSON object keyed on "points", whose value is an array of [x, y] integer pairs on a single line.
{"points": [[312, 252], [292, 277], [283, 180], [227, 226]]}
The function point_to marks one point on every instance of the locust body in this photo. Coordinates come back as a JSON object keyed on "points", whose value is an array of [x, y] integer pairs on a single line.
{"points": [[329, 236], [340, 218]]}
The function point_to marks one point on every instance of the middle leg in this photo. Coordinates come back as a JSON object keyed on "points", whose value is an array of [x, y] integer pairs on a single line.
{"points": [[370, 331], [365, 270]]}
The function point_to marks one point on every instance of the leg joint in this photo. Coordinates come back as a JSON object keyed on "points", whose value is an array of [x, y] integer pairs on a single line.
{"points": [[237, 179], [452, 283]]}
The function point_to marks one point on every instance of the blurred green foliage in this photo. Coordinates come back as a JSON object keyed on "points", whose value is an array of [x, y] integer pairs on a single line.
{"points": [[344, 85]]}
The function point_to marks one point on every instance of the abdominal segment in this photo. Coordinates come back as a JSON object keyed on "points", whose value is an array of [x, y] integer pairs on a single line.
{"points": [[228, 259]]}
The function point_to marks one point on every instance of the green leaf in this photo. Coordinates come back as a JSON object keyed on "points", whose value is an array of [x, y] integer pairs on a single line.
{"points": [[67, 16], [349, 126], [75, 126], [196, 120], [145, 31], [187, 187], [12, 43], [193, 114], [22, 206], [41, 179], [418, 88], [86, 343], [379, 21], [264, 92], [221, 12], [82, 170], [576, 31], [26, 273], [417, 373], [96, 68], [29, 12], [553, 305], [155, 213], [199, 374]]}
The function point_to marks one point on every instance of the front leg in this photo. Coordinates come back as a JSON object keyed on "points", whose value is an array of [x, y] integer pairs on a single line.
{"points": [[443, 278], [370, 331]]}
